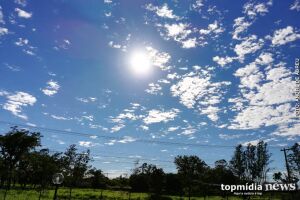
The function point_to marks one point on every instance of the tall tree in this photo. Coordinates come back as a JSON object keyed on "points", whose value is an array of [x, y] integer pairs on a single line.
{"points": [[250, 162], [294, 161], [75, 166], [262, 161], [237, 163], [97, 178], [190, 168], [13, 146], [148, 178]]}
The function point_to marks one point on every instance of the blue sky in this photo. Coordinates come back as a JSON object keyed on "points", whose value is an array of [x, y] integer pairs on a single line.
{"points": [[211, 74]]}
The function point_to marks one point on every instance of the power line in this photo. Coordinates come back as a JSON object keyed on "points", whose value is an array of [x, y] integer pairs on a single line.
{"points": [[122, 157], [75, 133]]}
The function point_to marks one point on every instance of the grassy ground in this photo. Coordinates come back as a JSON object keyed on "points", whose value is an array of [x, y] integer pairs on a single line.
{"points": [[91, 194]]}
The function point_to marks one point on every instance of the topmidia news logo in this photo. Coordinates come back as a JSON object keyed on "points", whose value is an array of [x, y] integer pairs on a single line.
{"points": [[258, 187]]}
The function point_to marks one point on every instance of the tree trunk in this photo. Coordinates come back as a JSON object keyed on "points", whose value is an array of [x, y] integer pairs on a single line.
{"points": [[189, 193], [70, 193], [40, 195]]}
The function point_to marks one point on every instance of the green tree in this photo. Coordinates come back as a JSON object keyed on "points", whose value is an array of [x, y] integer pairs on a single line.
{"points": [[190, 169], [262, 161], [237, 163], [147, 178], [173, 184], [294, 161], [97, 179], [14, 145], [75, 166]]}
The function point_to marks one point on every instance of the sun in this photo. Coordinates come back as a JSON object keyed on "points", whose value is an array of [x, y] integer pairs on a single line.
{"points": [[140, 63]]}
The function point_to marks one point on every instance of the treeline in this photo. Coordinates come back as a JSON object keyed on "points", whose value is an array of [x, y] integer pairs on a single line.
{"points": [[22, 165]]}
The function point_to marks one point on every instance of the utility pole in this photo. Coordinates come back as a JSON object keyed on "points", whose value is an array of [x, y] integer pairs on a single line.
{"points": [[287, 164]]}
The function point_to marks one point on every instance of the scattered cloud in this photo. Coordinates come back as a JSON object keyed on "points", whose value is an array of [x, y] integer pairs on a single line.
{"points": [[51, 88], [252, 10], [87, 99], [154, 88], [22, 42], [222, 61], [127, 139], [157, 116], [23, 14], [189, 43], [159, 59], [3, 31], [212, 28], [162, 11], [284, 36], [87, 144], [60, 117], [266, 98], [295, 6], [240, 25], [249, 45], [16, 101], [196, 91], [21, 2]]}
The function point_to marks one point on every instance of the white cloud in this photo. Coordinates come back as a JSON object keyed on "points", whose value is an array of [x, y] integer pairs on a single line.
{"points": [[145, 128], [188, 131], [295, 6], [111, 142], [127, 139], [86, 144], [3, 31], [189, 43], [15, 102], [285, 35], [264, 59], [156, 116], [229, 137], [117, 128], [212, 28], [108, 1], [173, 128], [154, 88], [21, 2], [222, 61], [87, 99], [173, 76], [240, 25], [178, 31], [51, 88], [60, 117], [249, 45], [1, 16], [190, 89], [60, 142], [158, 59], [22, 42], [266, 98], [163, 11], [197, 5], [196, 91], [254, 9], [211, 112], [250, 76], [23, 13], [288, 130]]}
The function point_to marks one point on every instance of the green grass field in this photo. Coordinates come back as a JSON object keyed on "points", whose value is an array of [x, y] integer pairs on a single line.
{"points": [[91, 194]]}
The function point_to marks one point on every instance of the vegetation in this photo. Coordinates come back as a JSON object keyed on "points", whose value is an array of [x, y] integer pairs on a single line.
{"points": [[24, 170]]}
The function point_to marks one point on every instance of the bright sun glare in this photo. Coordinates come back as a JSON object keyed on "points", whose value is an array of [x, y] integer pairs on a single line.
{"points": [[140, 63]]}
